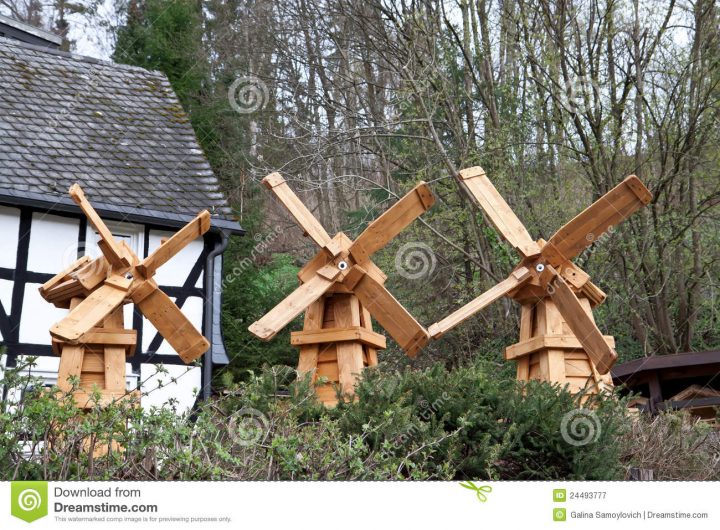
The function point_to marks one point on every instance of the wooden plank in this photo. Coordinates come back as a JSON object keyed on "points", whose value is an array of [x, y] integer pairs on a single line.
{"points": [[349, 354], [107, 244], [388, 312], [527, 312], [294, 304], [307, 221], [556, 366], [535, 344], [577, 367], [353, 333], [366, 322], [308, 359], [498, 211], [89, 380], [111, 337], [173, 325], [582, 326], [518, 277], [329, 370], [179, 240], [92, 310], [609, 210], [416, 202], [93, 362], [114, 354], [62, 276], [71, 362]]}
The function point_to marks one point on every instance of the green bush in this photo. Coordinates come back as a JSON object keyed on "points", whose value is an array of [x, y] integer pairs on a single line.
{"points": [[468, 423]]}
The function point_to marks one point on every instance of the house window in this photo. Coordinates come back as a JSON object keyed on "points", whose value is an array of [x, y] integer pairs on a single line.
{"points": [[133, 235]]}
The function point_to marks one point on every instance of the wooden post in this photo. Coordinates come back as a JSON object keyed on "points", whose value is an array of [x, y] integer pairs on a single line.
{"points": [[548, 351], [337, 342]]}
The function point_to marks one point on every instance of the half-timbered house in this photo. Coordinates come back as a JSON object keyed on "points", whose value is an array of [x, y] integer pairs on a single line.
{"points": [[120, 132]]}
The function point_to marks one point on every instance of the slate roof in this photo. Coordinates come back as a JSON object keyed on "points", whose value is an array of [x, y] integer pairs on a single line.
{"points": [[117, 130]]}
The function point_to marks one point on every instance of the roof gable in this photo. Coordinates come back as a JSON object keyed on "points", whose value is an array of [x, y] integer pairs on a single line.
{"points": [[117, 130]]}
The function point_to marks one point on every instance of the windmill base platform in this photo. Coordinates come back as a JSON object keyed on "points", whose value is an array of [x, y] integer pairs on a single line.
{"points": [[548, 350], [98, 363], [337, 342]]}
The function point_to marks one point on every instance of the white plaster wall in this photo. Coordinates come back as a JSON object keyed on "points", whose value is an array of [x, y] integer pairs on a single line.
{"points": [[176, 271], [38, 316], [9, 231], [184, 389], [53, 243]]}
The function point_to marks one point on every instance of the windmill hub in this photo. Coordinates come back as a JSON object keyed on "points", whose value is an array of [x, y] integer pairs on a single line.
{"points": [[540, 267], [342, 265]]}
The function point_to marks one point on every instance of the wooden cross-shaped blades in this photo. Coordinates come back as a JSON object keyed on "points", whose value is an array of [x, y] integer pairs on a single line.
{"points": [[347, 263], [122, 279], [546, 268]]}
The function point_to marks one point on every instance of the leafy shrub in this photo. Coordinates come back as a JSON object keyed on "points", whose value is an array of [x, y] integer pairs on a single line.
{"points": [[469, 423]]}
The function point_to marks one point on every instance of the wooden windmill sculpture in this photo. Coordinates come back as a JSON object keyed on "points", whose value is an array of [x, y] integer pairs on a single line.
{"points": [[341, 291], [559, 341], [91, 340]]}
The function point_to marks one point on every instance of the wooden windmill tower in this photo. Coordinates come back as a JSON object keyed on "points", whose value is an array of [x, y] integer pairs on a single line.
{"points": [[559, 341], [91, 340], [341, 291]]}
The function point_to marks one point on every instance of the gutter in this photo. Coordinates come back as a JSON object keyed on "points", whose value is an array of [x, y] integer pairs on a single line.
{"points": [[208, 320]]}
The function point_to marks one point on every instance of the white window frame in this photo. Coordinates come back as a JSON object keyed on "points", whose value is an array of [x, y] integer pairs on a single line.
{"points": [[133, 232]]}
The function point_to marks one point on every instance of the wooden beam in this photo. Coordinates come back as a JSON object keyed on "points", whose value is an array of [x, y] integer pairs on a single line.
{"points": [[346, 309], [383, 229], [498, 211], [307, 221], [518, 277], [308, 359], [294, 304], [389, 313], [581, 324], [588, 226], [173, 325], [107, 243], [114, 355], [557, 342], [189, 233], [99, 304], [350, 333]]}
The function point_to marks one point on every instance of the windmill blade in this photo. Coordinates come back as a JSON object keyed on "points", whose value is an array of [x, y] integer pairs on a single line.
{"points": [[307, 221], [189, 233], [582, 326], [388, 312], [93, 310], [170, 322], [517, 278], [416, 202], [498, 211], [108, 245], [295, 303], [609, 210]]}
